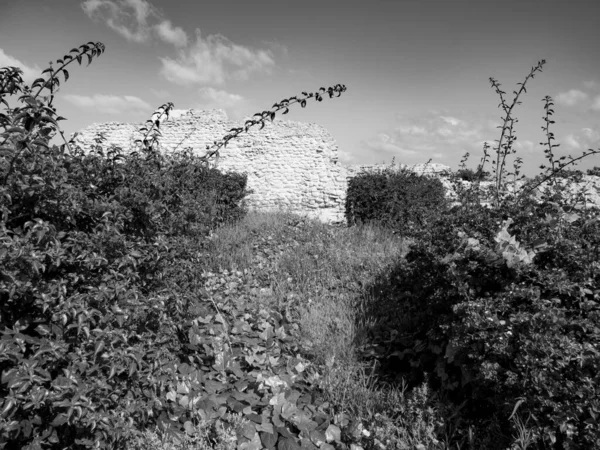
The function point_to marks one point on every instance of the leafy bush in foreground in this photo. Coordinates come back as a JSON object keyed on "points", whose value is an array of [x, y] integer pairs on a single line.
{"points": [[501, 305], [107, 328]]}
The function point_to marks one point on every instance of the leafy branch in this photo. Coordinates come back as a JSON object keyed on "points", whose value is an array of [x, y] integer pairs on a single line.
{"points": [[235, 132]]}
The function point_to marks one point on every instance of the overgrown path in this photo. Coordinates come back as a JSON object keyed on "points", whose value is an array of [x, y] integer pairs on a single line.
{"points": [[314, 274]]}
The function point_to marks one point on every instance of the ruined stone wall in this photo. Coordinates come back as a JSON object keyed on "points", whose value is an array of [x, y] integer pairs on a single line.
{"points": [[289, 164]]}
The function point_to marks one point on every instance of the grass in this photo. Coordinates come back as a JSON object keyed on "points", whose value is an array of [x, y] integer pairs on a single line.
{"points": [[314, 274]]}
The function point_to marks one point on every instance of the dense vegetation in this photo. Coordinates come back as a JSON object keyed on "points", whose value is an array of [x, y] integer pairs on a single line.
{"points": [[142, 306]]}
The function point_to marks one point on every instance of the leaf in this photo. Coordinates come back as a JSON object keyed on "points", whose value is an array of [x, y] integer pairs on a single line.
{"points": [[253, 444], [59, 420], [254, 418], [303, 423], [333, 433], [9, 403], [248, 430], [284, 432], [306, 444], [265, 427], [132, 367], [184, 401], [268, 439], [287, 410], [42, 143], [514, 411], [99, 347], [16, 130], [189, 428], [287, 444]]}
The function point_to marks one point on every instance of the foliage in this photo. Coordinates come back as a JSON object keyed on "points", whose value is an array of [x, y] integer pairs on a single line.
{"points": [[467, 174], [511, 191], [129, 320], [500, 305], [595, 171], [107, 326], [401, 200]]}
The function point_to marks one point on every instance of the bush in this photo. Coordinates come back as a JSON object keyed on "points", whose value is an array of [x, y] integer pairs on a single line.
{"points": [[500, 306], [84, 243], [499, 325], [466, 174], [107, 329], [402, 200], [595, 171]]}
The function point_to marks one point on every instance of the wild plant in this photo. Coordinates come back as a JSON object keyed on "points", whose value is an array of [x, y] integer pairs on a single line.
{"points": [[505, 148], [487, 302], [107, 327]]}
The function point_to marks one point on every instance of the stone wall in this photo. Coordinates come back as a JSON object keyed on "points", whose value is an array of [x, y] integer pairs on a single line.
{"points": [[289, 164]]}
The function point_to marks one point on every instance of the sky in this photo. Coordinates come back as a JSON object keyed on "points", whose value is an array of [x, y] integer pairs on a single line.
{"points": [[417, 72]]}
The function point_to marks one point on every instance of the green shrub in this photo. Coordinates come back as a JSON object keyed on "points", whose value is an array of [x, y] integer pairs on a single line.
{"points": [[401, 200], [106, 327], [501, 305], [498, 322], [595, 171], [472, 175]]}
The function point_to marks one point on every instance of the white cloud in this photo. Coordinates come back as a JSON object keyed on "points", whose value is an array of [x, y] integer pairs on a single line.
{"points": [[209, 60], [596, 103], [437, 129], [411, 129], [170, 34], [590, 134], [451, 120], [30, 73], [591, 84], [385, 144], [437, 135], [583, 139], [571, 97], [444, 131], [218, 99], [161, 93], [133, 26], [213, 60], [345, 157], [109, 104], [572, 142], [276, 46], [130, 19], [526, 146]]}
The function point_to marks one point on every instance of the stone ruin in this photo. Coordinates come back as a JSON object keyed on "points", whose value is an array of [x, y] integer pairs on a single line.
{"points": [[290, 165]]}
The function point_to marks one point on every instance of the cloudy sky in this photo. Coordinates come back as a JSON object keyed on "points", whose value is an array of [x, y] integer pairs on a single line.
{"points": [[416, 71]]}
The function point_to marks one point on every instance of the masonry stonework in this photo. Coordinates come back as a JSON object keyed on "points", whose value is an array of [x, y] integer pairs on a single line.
{"points": [[290, 165]]}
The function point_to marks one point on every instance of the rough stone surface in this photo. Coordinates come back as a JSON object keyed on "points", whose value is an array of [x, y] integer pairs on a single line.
{"points": [[584, 193], [290, 165]]}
